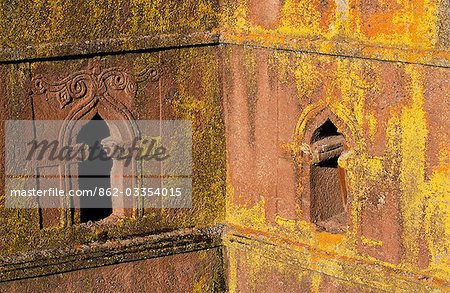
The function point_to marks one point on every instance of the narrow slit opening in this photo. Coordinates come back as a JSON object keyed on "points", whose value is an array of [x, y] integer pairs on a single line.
{"points": [[95, 172], [327, 179]]}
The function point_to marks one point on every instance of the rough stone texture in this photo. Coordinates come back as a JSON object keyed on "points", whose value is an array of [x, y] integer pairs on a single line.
{"points": [[444, 24], [278, 276], [378, 70], [16, 105], [395, 164], [33, 29], [365, 28], [189, 272], [196, 101]]}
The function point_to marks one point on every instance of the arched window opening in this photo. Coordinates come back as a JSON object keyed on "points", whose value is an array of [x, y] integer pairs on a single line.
{"points": [[327, 179], [94, 174]]}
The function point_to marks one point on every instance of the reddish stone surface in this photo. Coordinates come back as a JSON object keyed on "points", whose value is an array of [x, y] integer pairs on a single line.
{"points": [[254, 111], [257, 273], [267, 13], [386, 89], [178, 273], [437, 81]]}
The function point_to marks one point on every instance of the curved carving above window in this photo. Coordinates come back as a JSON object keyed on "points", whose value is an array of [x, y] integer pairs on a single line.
{"points": [[93, 82], [324, 133], [92, 92]]}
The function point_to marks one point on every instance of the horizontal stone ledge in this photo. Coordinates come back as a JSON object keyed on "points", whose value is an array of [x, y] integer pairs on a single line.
{"points": [[341, 49], [352, 269], [106, 46], [53, 261]]}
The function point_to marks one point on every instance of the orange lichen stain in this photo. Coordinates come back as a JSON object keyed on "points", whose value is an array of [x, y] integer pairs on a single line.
{"points": [[300, 17], [253, 217], [264, 251], [325, 239], [201, 285], [377, 29], [290, 225], [356, 78], [388, 18], [393, 23], [208, 135], [414, 137], [370, 242], [424, 203], [316, 279], [437, 216], [232, 268], [42, 26], [257, 267], [372, 123], [307, 76]]}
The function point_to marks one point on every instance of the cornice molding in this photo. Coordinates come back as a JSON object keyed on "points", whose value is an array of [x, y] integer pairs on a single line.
{"points": [[54, 261], [61, 50]]}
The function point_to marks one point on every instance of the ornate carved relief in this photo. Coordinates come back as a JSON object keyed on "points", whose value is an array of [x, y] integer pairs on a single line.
{"points": [[92, 83], [316, 159], [84, 91]]}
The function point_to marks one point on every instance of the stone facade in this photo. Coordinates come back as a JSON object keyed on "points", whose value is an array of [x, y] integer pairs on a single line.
{"points": [[264, 83]]}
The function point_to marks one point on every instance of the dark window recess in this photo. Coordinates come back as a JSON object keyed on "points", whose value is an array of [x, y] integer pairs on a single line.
{"points": [[327, 179], [94, 173]]}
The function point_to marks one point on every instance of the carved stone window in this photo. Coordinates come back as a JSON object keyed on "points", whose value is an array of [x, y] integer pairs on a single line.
{"points": [[327, 180], [94, 173], [102, 94]]}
